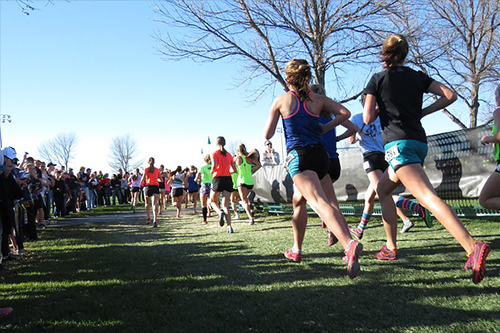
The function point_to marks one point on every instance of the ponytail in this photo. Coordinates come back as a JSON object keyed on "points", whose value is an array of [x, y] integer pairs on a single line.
{"points": [[221, 142], [242, 149], [151, 163], [298, 75]]}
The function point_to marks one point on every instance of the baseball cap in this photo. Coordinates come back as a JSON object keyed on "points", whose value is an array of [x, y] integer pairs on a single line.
{"points": [[10, 153], [51, 164]]}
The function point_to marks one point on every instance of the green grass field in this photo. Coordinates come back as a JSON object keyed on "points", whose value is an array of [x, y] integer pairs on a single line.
{"points": [[186, 277]]}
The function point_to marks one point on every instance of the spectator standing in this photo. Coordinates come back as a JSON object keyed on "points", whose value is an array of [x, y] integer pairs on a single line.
{"points": [[116, 189], [105, 183], [270, 156], [10, 191], [59, 189], [83, 178], [92, 186], [50, 194], [73, 185], [35, 188], [47, 182]]}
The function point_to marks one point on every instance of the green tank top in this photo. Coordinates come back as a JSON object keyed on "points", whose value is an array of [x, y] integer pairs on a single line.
{"points": [[206, 175], [234, 178], [244, 172], [496, 149]]}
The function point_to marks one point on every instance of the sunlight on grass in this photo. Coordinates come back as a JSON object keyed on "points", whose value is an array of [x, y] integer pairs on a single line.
{"points": [[32, 273], [54, 324], [183, 277]]}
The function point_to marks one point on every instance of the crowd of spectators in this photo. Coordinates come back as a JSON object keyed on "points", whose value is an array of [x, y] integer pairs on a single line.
{"points": [[32, 192]]}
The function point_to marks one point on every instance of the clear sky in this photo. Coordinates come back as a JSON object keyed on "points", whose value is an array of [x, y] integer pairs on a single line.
{"points": [[91, 67]]}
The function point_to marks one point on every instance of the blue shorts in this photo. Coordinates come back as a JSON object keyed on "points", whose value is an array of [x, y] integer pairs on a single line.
{"points": [[404, 152]]}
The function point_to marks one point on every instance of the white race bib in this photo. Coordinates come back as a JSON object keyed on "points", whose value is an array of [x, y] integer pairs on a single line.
{"points": [[288, 159], [391, 153]]}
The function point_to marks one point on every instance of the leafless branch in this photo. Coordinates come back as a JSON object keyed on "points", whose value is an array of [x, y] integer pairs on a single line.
{"points": [[123, 153], [60, 149]]}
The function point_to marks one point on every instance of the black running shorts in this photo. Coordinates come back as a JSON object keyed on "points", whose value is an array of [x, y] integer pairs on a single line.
{"points": [[374, 160], [334, 169], [151, 190], [220, 184], [312, 157], [177, 192]]}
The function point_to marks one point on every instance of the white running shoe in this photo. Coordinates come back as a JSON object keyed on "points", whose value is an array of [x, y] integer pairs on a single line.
{"points": [[407, 225]]}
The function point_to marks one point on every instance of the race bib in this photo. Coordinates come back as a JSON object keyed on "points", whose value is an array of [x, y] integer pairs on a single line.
{"points": [[288, 159], [391, 153]]}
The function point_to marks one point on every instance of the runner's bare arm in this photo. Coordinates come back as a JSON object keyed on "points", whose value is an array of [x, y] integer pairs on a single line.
{"points": [[370, 109], [446, 97], [340, 112], [351, 130], [272, 121]]}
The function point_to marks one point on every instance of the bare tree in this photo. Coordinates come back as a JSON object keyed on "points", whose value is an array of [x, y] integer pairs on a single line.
{"points": [[60, 149], [29, 6], [457, 42], [470, 38], [123, 153], [265, 34], [232, 146]]}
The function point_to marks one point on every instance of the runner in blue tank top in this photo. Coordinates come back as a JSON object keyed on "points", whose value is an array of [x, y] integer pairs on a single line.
{"points": [[307, 160], [329, 139]]}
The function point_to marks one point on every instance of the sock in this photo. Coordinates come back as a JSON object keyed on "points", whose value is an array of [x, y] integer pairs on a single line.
{"points": [[364, 221], [296, 251], [406, 221], [204, 211], [402, 202]]}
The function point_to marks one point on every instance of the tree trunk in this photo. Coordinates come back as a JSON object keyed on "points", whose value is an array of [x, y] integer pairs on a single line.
{"points": [[474, 108]]}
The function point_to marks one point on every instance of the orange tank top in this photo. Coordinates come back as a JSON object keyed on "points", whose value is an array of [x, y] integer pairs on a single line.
{"points": [[151, 178], [222, 164]]}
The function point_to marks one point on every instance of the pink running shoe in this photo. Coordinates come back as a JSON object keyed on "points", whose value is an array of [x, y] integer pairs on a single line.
{"points": [[354, 249], [355, 232], [5, 311], [148, 221], [332, 240], [477, 261], [386, 254], [297, 257], [425, 214]]}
